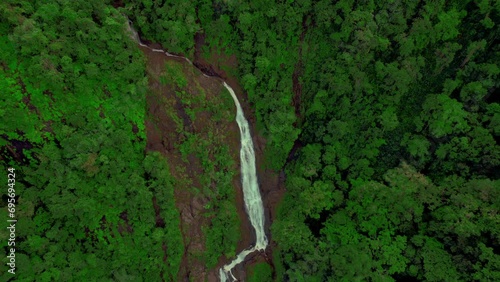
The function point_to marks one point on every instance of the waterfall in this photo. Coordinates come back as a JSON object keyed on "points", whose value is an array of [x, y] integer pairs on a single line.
{"points": [[251, 192]]}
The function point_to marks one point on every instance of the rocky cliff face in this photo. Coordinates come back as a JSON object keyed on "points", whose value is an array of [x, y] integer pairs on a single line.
{"points": [[197, 106]]}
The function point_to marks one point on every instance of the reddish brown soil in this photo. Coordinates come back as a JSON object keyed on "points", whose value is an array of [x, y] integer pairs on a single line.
{"points": [[162, 137], [271, 185]]}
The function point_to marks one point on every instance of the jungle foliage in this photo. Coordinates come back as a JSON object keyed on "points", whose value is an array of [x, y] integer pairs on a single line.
{"points": [[72, 88], [385, 117], [93, 204]]}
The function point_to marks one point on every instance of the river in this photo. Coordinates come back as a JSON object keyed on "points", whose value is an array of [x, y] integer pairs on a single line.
{"points": [[251, 192]]}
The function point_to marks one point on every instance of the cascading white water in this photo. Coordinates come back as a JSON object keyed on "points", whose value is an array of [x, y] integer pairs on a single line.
{"points": [[251, 192]]}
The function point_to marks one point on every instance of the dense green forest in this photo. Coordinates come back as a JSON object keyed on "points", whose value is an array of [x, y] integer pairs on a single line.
{"points": [[93, 203], [73, 107], [383, 115]]}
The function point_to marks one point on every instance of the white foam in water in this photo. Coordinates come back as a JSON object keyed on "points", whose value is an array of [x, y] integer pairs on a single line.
{"points": [[251, 192]]}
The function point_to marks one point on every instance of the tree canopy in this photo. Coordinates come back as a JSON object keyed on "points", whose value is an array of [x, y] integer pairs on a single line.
{"points": [[384, 117]]}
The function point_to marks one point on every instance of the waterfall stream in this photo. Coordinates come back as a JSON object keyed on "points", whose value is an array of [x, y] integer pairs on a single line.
{"points": [[251, 192]]}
